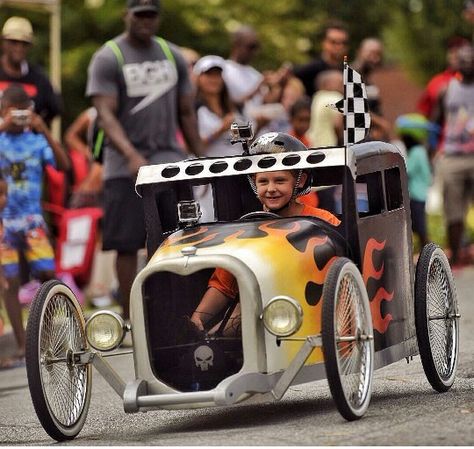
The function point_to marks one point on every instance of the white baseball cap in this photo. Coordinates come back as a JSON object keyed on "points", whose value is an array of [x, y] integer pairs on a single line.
{"points": [[18, 29], [207, 63]]}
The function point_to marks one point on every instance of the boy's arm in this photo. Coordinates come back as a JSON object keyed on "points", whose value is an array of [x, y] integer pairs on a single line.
{"points": [[211, 303], [222, 287], [3, 280], [62, 160], [77, 129]]}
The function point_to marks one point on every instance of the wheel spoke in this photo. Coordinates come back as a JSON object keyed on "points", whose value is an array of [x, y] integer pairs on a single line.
{"points": [[347, 335], [65, 385], [436, 314], [441, 329], [352, 354]]}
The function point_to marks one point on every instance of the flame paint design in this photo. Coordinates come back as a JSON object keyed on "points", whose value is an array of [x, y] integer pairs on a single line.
{"points": [[380, 323], [369, 271], [306, 256], [177, 239], [289, 257], [308, 260]]}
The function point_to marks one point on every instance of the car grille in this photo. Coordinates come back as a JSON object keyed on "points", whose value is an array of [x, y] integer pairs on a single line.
{"points": [[181, 356]]}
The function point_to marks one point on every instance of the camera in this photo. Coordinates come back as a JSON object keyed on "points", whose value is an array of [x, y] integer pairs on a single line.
{"points": [[189, 212], [21, 117], [241, 133]]}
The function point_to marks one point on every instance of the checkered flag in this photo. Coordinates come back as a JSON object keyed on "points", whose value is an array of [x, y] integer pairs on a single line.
{"points": [[355, 107]]}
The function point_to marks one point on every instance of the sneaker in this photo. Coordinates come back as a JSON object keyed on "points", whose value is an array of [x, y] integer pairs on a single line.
{"points": [[27, 292], [12, 362]]}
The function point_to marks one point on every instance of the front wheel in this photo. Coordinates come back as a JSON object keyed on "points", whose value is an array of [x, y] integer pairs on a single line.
{"points": [[347, 337], [436, 317], [60, 385]]}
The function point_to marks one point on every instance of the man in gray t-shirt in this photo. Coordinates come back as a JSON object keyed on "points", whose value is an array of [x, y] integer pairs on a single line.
{"points": [[456, 169], [140, 86]]}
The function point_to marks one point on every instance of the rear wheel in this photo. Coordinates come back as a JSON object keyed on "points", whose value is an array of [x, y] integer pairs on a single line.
{"points": [[60, 385], [436, 317], [347, 337]]}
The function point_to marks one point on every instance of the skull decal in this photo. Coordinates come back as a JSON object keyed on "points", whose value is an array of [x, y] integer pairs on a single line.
{"points": [[204, 357]]}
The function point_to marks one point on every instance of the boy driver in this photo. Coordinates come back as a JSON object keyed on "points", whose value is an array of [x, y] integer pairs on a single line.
{"points": [[278, 192]]}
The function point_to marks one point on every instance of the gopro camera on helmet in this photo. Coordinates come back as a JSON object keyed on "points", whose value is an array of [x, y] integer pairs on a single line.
{"points": [[242, 134]]}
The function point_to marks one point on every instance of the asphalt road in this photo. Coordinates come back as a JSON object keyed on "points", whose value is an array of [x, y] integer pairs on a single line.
{"points": [[404, 410]]}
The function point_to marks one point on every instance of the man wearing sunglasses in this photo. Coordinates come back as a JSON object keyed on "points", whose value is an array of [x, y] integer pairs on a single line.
{"points": [[256, 94], [140, 86], [17, 39], [334, 47], [243, 80]]}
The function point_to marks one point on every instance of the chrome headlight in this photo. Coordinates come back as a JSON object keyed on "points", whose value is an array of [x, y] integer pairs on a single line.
{"points": [[105, 330], [282, 316]]}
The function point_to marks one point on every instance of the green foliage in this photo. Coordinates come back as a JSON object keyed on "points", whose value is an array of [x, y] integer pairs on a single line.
{"points": [[415, 32], [84, 30], [419, 31]]}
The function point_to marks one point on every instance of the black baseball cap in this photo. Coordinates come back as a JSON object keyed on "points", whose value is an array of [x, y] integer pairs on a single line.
{"points": [[143, 5]]}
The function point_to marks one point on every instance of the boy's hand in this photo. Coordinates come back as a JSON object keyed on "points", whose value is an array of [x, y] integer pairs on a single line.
{"points": [[196, 320], [38, 124], [3, 283], [7, 120]]}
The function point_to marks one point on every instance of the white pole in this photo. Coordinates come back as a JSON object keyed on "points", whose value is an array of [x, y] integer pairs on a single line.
{"points": [[55, 58]]}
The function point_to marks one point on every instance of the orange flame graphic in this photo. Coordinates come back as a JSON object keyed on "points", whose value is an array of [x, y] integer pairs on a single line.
{"points": [[369, 271], [318, 276], [175, 239], [275, 245], [294, 259], [380, 323]]}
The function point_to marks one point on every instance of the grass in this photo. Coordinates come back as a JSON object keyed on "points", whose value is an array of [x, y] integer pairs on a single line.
{"points": [[437, 228]]}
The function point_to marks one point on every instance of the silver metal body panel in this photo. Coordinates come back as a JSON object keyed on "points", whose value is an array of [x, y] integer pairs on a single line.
{"points": [[205, 168], [241, 387]]}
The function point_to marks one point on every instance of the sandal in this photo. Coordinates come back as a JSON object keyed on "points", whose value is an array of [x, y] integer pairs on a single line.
{"points": [[12, 362]]}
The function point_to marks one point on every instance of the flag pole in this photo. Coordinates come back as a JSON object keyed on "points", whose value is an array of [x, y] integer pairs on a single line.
{"points": [[356, 126], [345, 106], [345, 178]]}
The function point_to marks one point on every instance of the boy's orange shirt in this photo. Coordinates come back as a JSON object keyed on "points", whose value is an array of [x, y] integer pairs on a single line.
{"points": [[226, 283], [303, 139]]}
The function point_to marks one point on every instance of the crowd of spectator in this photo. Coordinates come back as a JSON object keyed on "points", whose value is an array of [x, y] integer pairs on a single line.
{"points": [[153, 102]]}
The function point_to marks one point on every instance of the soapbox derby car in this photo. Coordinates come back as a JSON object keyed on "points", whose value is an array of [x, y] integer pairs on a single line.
{"points": [[317, 301]]}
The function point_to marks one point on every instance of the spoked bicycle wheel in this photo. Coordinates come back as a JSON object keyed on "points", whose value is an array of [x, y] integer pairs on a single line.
{"points": [[436, 317], [347, 337], [60, 385]]}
